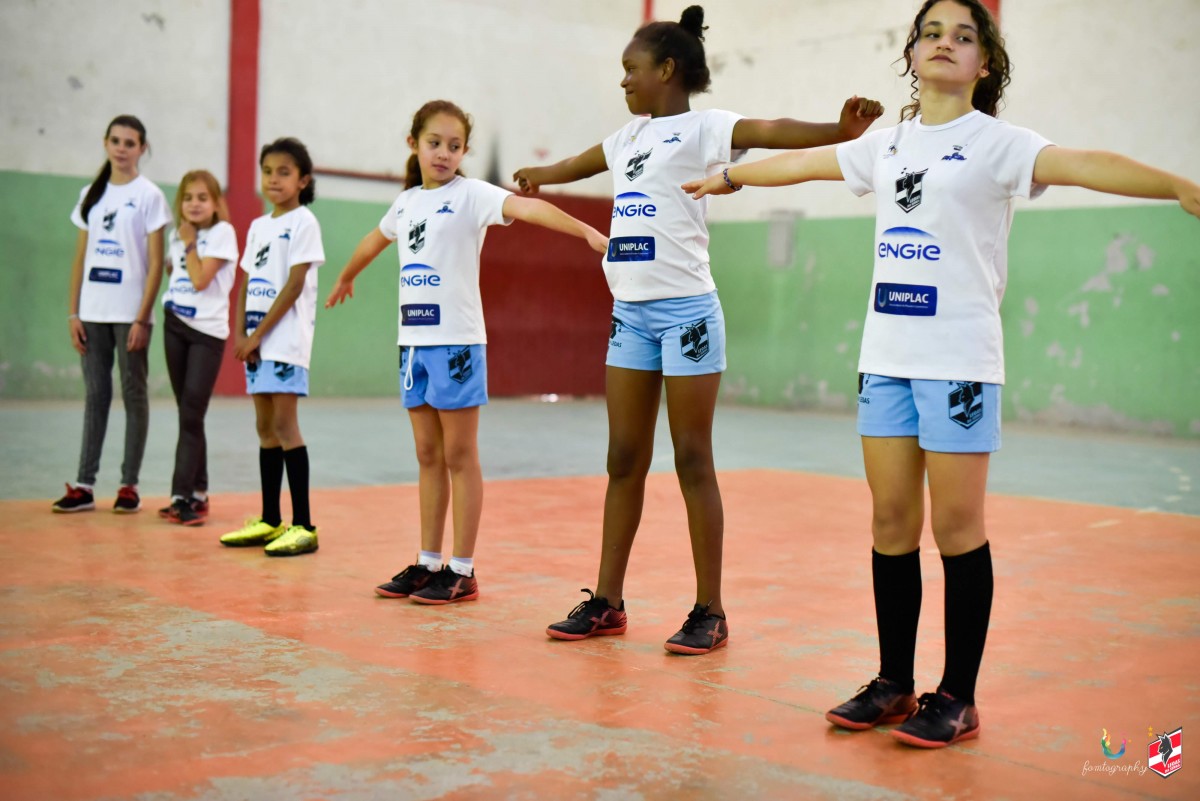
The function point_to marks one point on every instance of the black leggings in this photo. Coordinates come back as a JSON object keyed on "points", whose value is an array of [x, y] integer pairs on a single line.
{"points": [[193, 361]]}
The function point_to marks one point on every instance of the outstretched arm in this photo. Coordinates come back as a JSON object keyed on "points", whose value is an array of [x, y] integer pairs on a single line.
{"points": [[368, 248], [588, 163], [795, 167], [1114, 174], [784, 134], [539, 212]]}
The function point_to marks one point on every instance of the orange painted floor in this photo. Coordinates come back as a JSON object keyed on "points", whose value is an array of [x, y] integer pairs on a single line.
{"points": [[140, 660]]}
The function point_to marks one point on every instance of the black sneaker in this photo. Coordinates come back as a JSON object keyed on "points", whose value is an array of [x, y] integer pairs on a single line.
{"points": [[702, 632], [447, 587], [592, 618], [127, 501], [942, 720], [406, 582], [877, 704], [185, 514], [77, 499]]}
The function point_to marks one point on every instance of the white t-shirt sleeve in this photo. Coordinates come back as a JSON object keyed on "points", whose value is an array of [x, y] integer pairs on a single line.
{"points": [[221, 243], [306, 246], [1015, 154], [77, 212], [487, 202], [387, 225], [247, 262], [717, 130], [858, 157], [155, 210]]}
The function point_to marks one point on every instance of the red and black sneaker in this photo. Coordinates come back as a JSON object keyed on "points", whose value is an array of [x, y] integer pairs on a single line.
{"points": [[77, 499], [200, 507], [940, 721], [127, 501], [592, 618], [447, 587], [406, 582], [702, 632], [877, 704]]}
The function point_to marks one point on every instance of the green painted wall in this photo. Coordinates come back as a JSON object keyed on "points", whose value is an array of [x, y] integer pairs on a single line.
{"points": [[1100, 314]]}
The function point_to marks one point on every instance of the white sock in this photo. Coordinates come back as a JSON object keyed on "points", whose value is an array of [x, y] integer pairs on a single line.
{"points": [[430, 559], [463, 567], [200, 496], [87, 487], [177, 498]]}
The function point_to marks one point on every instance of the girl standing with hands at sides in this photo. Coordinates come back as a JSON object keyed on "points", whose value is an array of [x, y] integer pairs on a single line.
{"points": [[667, 324], [115, 278], [202, 260], [932, 358], [440, 220], [276, 315]]}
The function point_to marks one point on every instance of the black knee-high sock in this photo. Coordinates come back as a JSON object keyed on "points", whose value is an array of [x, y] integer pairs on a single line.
{"points": [[297, 471], [897, 581], [270, 469], [968, 610]]}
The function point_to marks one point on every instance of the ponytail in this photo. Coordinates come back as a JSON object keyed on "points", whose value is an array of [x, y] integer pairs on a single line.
{"points": [[96, 190], [683, 42], [412, 172]]}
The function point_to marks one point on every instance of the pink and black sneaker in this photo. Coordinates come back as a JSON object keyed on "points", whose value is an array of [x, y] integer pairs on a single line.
{"points": [[406, 582], [447, 587], [702, 632], [592, 618], [941, 720]]}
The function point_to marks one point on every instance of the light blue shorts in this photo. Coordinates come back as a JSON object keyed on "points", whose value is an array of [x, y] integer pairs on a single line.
{"points": [[675, 336], [270, 378], [443, 376], [944, 416]]}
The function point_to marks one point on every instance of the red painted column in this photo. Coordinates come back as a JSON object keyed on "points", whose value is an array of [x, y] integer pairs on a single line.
{"points": [[647, 11], [242, 166], [994, 7]]}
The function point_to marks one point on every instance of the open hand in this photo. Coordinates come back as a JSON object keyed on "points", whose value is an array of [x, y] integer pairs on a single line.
{"points": [[712, 185], [342, 290]]}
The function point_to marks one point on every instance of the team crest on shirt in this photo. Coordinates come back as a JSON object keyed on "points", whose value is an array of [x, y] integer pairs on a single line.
{"points": [[966, 403], [287, 234], [637, 164], [956, 155], [445, 209], [416, 236], [674, 138], [110, 220], [260, 258], [693, 342], [909, 190], [460, 365]]}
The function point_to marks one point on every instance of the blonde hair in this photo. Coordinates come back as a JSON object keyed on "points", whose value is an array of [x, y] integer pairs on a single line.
{"points": [[221, 212]]}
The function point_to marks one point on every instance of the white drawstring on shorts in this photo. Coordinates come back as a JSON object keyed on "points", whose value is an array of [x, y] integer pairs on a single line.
{"points": [[408, 382]]}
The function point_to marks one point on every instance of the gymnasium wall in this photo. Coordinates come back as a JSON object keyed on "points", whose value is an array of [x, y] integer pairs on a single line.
{"points": [[1099, 313]]}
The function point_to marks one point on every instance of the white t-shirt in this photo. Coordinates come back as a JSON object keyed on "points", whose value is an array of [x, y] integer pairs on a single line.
{"points": [[658, 243], [206, 311], [116, 261], [439, 233], [273, 246], [944, 207]]}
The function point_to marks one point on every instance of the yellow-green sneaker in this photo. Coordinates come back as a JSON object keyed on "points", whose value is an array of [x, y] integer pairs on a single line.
{"points": [[293, 542], [255, 532]]}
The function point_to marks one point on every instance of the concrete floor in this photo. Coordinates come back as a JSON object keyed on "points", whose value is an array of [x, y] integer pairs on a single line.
{"points": [[139, 660]]}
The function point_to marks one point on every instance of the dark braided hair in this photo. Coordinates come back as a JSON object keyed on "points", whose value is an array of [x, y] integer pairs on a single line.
{"points": [[989, 92], [683, 42]]}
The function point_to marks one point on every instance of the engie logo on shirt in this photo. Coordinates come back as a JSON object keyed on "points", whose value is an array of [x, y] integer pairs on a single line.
{"points": [[631, 248], [109, 247], [909, 244], [419, 275], [183, 286], [907, 299], [260, 288], [633, 204], [420, 314]]}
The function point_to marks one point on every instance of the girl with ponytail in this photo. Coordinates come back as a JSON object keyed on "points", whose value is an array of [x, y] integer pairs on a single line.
{"points": [[115, 278], [439, 221], [667, 325]]}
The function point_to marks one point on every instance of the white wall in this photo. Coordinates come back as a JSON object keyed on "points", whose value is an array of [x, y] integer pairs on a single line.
{"points": [[540, 77], [67, 68]]}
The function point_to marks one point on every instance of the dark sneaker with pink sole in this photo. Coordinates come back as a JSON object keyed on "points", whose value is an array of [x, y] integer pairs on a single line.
{"points": [[941, 720], [702, 632], [592, 618], [877, 704]]}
